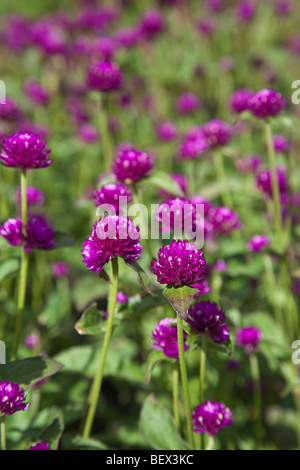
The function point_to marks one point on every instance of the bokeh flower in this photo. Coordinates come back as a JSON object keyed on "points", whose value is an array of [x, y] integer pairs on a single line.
{"points": [[165, 337]]}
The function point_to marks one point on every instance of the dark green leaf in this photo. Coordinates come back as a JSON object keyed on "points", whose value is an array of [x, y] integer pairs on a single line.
{"points": [[53, 433], [154, 358], [8, 266], [180, 298], [91, 322]]}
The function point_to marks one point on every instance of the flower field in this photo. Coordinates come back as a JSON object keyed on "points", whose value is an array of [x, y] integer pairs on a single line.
{"points": [[149, 225]]}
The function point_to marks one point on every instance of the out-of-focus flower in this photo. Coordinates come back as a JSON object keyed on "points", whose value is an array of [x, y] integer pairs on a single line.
{"points": [[43, 445], [88, 133], [10, 111], [281, 143], [187, 103], [12, 398], [239, 100], [25, 150], [264, 181], [111, 194], [191, 149], [32, 340], [246, 10], [266, 103], [132, 165], [60, 269], [217, 132], [224, 220], [180, 263], [206, 27], [111, 236], [249, 163], [39, 234], [11, 230], [211, 416], [167, 131], [258, 243], [249, 337], [122, 297], [36, 92], [165, 337], [34, 196], [152, 23], [220, 265], [104, 76]]}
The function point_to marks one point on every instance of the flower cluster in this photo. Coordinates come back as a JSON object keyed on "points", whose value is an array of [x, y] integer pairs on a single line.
{"points": [[206, 317]]}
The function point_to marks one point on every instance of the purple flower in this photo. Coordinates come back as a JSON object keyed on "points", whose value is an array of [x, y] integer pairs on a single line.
{"points": [[181, 180], [132, 165], [167, 131], [179, 264], [12, 398], [32, 340], [239, 100], [103, 48], [60, 269], [220, 265], [10, 111], [88, 133], [224, 220], [36, 92], [187, 103], [165, 337], [217, 132], [152, 23], [215, 5], [25, 150], [176, 214], [191, 149], [211, 416], [226, 63], [258, 242], [122, 297], [39, 234], [246, 10], [11, 230], [111, 194], [206, 26], [266, 103], [283, 7], [111, 236], [104, 76], [128, 37], [34, 196], [249, 163], [206, 317], [281, 143], [43, 445], [249, 338], [264, 181]]}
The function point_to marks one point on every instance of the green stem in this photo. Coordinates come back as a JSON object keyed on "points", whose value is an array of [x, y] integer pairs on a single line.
{"points": [[105, 136], [275, 184], [96, 386], [3, 432], [23, 271], [184, 380], [204, 341], [175, 395], [254, 367], [220, 171], [273, 287]]}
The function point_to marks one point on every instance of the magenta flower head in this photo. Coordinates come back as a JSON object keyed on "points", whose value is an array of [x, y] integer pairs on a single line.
{"points": [[167, 131], [32, 340], [224, 220], [258, 243], [175, 214], [211, 416], [127, 37], [266, 103], [165, 337], [132, 165], [246, 10], [152, 23], [10, 111], [122, 298], [191, 149], [36, 92], [104, 76], [264, 181], [60, 269], [187, 103], [281, 143], [206, 27], [249, 163], [283, 7], [114, 194], [12, 398], [25, 150], [43, 445], [239, 100], [114, 235], [34, 196], [206, 317], [179, 264], [249, 337], [39, 234], [11, 230], [88, 133], [216, 5], [217, 132]]}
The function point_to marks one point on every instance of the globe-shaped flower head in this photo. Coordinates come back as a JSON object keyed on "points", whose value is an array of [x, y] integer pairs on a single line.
{"points": [[43, 445], [210, 417], [249, 338], [266, 103], [179, 264], [116, 195], [258, 242], [132, 165], [104, 76], [11, 230], [39, 234], [12, 398], [207, 318], [217, 132], [25, 150], [239, 100], [165, 337], [114, 235]]}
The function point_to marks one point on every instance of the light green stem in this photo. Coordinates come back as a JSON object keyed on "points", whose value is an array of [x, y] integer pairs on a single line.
{"points": [[275, 184], [204, 341], [185, 383], [105, 136], [96, 386], [175, 395], [220, 171], [3, 432], [23, 271]]}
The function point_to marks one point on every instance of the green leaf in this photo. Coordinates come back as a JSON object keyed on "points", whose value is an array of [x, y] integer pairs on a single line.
{"points": [[163, 180], [53, 433], [158, 427], [180, 298], [87, 443], [91, 322], [8, 266], [27, 372], [142, 277], [154, 358]]}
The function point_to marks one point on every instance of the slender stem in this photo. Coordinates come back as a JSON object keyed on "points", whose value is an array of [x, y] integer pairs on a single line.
{"points": [[220, 171], [204, 341], [257, 395], [105, 135], [23, 271], [175, 395], [275, 184], [273, 287], [96, 386], [184, 380], [3, 432]]}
